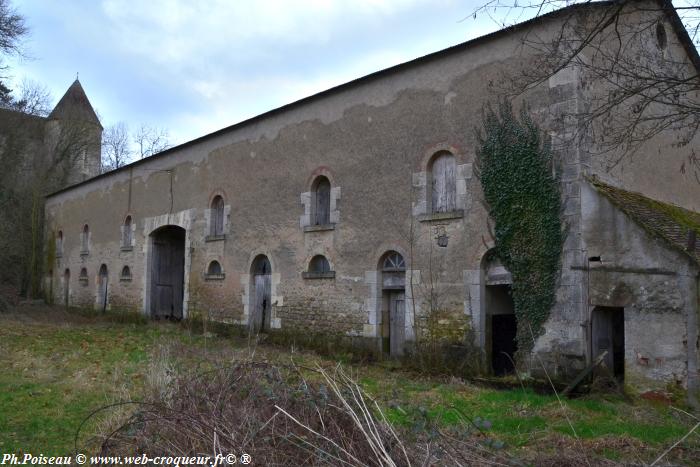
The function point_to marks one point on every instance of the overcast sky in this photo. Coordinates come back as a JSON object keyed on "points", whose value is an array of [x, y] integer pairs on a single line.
{"points": [[197, 66]]}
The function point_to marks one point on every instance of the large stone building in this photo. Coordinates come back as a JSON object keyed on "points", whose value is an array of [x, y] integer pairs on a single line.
{"points": [[357, 211]]}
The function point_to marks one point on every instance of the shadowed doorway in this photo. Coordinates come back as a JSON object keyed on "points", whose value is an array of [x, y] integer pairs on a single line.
{"points": [[167, 272], [261, 273]]}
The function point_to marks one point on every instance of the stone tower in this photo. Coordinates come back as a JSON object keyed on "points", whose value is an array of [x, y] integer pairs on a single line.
{"points": [[74, 134]]}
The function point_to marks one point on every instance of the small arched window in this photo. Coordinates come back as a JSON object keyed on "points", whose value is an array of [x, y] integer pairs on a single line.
{"points": [[319, 263], [125, 274], [85, 240], [83, 277], [319, 268], [217, 216], [126, 233], [214, 271], [214, 268], [59, 244], [322, 201], [444, 182]]}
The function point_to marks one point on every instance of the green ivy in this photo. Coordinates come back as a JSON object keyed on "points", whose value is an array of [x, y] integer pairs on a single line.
{"points": [[515, 169]]}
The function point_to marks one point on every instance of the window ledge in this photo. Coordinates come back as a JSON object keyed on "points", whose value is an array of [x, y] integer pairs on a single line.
{"points": [[441, 216], [215, 238], [318, 275], [59, 255], [125, 279], [126, 248], [214, 277], [84, 252], [319, 228], [83, 280]]}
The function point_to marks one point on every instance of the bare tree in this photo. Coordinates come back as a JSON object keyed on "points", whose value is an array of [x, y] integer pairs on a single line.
{"points": [[116, 151], [640, 55], [150, 140], [34, 99]]}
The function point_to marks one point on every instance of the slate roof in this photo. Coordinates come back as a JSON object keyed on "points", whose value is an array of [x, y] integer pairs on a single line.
{"points": [[75, 105], [671, 223]]}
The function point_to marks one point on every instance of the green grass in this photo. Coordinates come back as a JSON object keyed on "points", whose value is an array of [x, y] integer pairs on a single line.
{"points": [[57, 367]]}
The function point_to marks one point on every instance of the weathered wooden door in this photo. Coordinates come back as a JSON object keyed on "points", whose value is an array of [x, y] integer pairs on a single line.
{"points": [[167, 274], [397, 323], [261, 314], [444, 191], [103, 279]]}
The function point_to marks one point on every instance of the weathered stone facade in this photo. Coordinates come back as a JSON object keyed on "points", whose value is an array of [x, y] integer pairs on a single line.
{"points": [[376, 141]]}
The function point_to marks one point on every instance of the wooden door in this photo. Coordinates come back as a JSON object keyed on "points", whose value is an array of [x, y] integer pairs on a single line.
{"points": [[162, 282], [260, 319], [397, 323]]}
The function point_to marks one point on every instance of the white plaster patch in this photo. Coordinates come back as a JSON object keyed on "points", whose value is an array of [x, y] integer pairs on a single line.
{"points": [[449, 96]]}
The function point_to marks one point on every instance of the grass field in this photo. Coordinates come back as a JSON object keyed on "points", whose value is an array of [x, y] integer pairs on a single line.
{"points": [[57, 367]]}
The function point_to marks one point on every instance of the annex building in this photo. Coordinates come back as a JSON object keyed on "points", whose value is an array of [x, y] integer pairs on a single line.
{"points": [[357, 211]]}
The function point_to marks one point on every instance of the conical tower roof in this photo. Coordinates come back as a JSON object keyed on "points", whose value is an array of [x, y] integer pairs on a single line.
{"points": [[75, 105]]}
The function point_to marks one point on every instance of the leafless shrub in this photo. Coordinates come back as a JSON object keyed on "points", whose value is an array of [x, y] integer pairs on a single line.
{"points": [[279, 415]]}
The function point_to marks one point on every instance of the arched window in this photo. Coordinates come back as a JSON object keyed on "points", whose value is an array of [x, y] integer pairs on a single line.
{"points": [[59, 244], [322, 201], [214, 268], [444, 183], [393, 262], [319, 263], [125, 274], [83, 278], [126, 233], [217, 216], [84, 240], [319, 268]]}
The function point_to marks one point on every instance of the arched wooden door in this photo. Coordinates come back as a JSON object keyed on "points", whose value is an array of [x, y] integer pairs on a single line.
{"points": [[261, 294]]}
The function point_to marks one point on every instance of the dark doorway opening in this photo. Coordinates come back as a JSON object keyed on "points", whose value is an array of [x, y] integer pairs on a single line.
{"points": [[261, 270], [504, 326], [608, 333], [102, 287], [167, 272], [66, 287]]}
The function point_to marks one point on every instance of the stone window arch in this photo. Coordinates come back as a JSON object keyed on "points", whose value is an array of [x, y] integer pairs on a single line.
{"points": [[127, 235], [321, 203], [443, 182], [217, 216], [214, 271], [85, 240], [125, 275], [83, 277], [319, 268], [59, 244]]}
